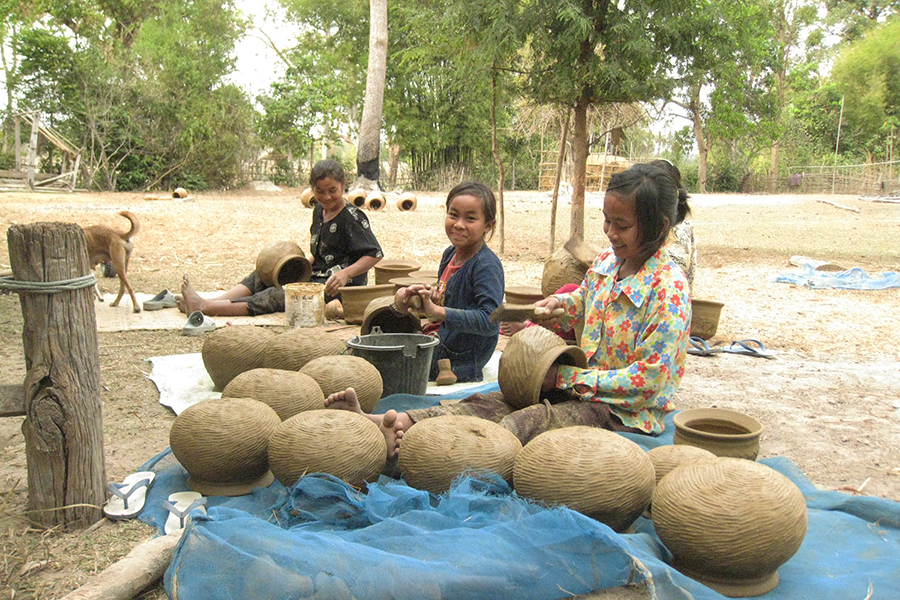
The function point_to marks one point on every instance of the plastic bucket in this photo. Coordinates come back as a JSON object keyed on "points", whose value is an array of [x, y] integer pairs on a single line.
{"points": [[304, 304], [403, 359]]}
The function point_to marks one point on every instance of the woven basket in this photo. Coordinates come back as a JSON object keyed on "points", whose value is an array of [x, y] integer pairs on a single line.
{"points": [[380, 314], [338, 442], [561, 268], [282, 263], [437, 450], [527, 358], [355, 299], [337, 373], [287, 392], [730, 523], [223, 445], [294, 348], [229, 351], [594, 471]]}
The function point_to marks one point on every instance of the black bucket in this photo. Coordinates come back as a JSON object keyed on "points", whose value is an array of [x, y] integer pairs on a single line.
{"points": [[403, 359]]}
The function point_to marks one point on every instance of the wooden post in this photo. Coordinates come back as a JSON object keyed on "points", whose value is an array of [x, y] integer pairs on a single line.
{"points": [[32, 151], [63, 425], [18, 145]]}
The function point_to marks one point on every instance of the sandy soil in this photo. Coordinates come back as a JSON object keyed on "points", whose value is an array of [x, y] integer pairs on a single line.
{"points": [[829, 401]]}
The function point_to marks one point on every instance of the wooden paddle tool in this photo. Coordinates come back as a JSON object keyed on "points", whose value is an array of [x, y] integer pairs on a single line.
{"points": [[581, 250], [517, 313]]}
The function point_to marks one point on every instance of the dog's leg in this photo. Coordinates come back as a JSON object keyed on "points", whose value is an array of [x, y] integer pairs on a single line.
{"points": [[97, 293], [119, 256]]}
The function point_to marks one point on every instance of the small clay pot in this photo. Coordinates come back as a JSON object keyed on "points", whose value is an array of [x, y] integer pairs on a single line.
{"points": [[338, 442], [223, 443], [721, 431], [287, 392], [561, 268], [180, 193], [594, 471], [337, 373], [705, 316], [307, 198], [523, 294], [292, 349], [282, 263], [435, 451], [380, 314], [445, 376], [730, 523], [375, 201], [334, 310], [431, 276], [229, 351], [407, 201], [357, 197], [527, 358], [386, 270], [355, 299]]}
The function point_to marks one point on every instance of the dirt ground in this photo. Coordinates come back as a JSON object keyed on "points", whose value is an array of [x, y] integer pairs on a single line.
{"points": [[829, 401]]}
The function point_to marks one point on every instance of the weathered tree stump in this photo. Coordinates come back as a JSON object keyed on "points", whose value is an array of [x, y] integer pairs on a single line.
{"points": [[63, 425]]}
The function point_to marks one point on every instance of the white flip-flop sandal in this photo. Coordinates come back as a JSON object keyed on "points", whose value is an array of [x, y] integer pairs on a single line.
{"points": [[180, 505], [128, 498]]}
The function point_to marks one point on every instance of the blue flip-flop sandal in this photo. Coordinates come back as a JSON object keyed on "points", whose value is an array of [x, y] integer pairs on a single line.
{"points": [[699, 347], [749, 348]]}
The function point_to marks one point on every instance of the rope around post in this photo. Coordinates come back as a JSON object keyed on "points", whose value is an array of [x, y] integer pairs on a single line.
{"points": [[9, 284]]}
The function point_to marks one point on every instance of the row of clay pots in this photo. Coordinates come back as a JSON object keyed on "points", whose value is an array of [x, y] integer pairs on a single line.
{"points": [[370, 200]]}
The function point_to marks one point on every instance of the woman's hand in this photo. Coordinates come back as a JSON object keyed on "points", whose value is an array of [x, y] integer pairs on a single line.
{"points": [[337, 280], [548, 304]]}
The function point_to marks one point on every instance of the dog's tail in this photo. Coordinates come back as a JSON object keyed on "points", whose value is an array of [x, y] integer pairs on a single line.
{"points": [[135, 225]]}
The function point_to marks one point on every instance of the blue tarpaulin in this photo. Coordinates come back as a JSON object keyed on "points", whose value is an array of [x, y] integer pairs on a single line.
{"points": [[325, 539], [850, 279]]}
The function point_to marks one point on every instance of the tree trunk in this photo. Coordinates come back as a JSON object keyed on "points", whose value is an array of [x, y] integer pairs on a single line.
{"points": [[63, 425], [702, 145], [367, 168], [559, 168], [580, 156], [496, 151]]}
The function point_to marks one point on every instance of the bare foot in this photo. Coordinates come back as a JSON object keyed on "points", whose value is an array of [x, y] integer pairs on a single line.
{"points": [[510, 328], [345, 400], [391, 424], [189, 300]]}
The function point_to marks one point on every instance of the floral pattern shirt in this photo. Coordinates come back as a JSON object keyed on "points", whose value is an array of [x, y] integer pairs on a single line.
{"points": [[635, 338]]}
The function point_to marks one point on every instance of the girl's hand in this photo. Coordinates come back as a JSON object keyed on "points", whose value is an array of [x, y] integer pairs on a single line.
{"points": [[434, 311], [548, 304], [337, 280]]}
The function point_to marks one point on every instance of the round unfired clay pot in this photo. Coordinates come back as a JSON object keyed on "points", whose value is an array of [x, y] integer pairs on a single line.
{"points": [[294, 348], [229, 351], [334, 310], [180, 193], [665, 458], [355, 299], [380, 314], [357, 197], [308, 198], [386, 270], [338, 442], [721, 431], [223, 445], [523, 294], [437, 450], [287, 392], [407, 201], [730, 523], [705, 317], [594, 471], [526, 360], [375, 201], [337, 373], [561, 268], [282, 263]]}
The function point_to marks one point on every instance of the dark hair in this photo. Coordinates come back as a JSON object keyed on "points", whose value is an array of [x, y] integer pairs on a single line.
{"points": [[683, 209], [483, 193], [327, 168], [657, 203]]}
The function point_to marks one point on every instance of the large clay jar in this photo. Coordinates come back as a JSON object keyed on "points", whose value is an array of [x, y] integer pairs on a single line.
{"points": [[665, 458], [307, 198], [296, 347], [561, 268], [287, 392], [730, 523], [527, 358], [229, 351], [282, 263], [437, 450], [223, 445], [338, 442], [523, 294], [721, 431], [355, 299], [375, 201], [380, 314], [705, 317], [407, 201], [357, 197], [337, 373], [594, 471], [386, 270]]}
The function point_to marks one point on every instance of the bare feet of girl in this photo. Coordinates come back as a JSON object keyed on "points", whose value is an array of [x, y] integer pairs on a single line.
{"points": [[189, 300], [392, 424]]}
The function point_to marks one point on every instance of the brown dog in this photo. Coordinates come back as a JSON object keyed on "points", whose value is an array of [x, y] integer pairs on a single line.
{"points": [[106, 244]]}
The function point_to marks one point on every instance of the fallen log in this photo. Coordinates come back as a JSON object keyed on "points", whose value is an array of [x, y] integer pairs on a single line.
{"points": [[128, 577]]}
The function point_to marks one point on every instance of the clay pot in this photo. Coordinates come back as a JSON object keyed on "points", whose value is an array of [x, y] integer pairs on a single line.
{"points": [[375, 201], [337, 373], [287, 392], [414, 278], [357, 197], [407, 201], [180, 193], [355, 299], [334, 310], [338, 442], [223, 445], [730, 523], [524, 294], [386, 270], [431, 276], [229, 351], [437, 450], [294, 348], [380, 314], [594, 471], [282, 263], [705, 317], [721, 431], [445, 376], [665, 458], [561, 268], [307, 198], [525, 361]]}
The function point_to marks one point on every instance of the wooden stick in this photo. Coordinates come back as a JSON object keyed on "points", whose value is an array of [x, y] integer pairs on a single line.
{"points": [[125, 579], [836, 205]]}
